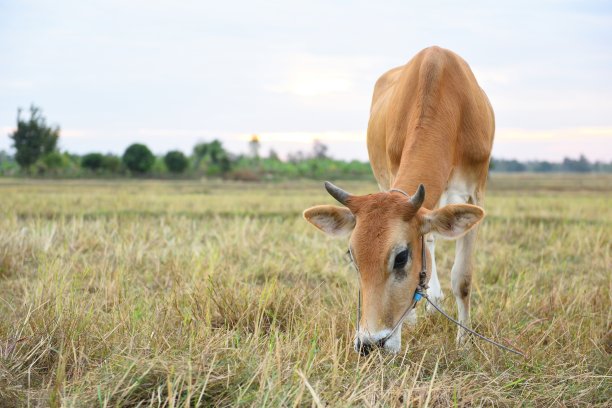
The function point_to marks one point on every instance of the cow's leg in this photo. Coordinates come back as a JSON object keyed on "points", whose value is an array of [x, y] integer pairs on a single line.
{"points": [[461, 273], [461, 280], [435, 290]]}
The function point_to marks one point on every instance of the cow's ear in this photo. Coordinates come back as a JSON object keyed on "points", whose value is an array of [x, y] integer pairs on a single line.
{"points": [[452, 221], [333, 220]]}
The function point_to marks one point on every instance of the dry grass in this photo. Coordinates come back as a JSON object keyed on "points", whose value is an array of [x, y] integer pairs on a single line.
{"points": [[186, 294]]}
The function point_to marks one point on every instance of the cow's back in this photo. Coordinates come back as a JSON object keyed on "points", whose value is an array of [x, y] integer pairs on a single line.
{"points": [[429, 119]]}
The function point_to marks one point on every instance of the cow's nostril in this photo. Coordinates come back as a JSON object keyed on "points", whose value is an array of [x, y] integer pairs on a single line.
{"points": [[364, 348]]}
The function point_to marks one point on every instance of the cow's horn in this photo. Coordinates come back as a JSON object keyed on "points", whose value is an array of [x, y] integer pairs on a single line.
{"points": [[338, 193], [417, 199]]}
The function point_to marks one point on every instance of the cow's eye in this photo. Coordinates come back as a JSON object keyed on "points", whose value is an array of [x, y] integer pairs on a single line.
{"points": [[401, 259]]}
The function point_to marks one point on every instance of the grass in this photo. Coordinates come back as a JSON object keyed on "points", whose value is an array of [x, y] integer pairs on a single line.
{"points": [[208, 293]]}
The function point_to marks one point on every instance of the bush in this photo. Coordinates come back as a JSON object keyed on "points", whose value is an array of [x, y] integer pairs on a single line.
{"points": [[97, 162], [8, 165], [54, 160], [52, 163], [138, 158], [212, 158], [93, 161], [55, 163], [111, 163], [176, 161]]}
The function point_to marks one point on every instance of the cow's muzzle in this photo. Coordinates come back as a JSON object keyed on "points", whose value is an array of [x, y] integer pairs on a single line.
{"points": [[364, 347]]}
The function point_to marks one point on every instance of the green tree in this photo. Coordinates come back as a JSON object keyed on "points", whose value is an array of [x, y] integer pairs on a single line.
{"points": [[319, 150], [55, 160], [93, 161], [581, 165], [33, 139], [8, 164], [212, 157], [98, 162], [176, 161], [543, 167], [272, 155], [56, 163], [111, 163], [138, 158]]}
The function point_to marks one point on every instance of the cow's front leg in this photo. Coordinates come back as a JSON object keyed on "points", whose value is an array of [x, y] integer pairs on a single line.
{"points": [[435, 290], [461, 280]]}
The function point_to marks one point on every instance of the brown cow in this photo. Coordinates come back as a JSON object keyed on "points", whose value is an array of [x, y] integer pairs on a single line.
{"points": [[430, 125]]}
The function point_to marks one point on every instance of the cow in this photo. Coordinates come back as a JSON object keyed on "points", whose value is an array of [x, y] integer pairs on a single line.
{"points": [[429, 141]]}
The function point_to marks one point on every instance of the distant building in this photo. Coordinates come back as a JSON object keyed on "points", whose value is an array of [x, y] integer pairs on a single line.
{"points": [[254, 146]]}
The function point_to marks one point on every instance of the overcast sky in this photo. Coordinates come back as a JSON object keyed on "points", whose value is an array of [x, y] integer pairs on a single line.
{"points": [[171, 73]]}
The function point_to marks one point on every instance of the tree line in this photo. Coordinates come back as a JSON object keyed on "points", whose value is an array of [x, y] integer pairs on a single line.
{"points": [[580, 165], [37, 154]]}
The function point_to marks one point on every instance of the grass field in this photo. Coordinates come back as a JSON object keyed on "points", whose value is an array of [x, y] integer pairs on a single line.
{"points": [[145, 293]]}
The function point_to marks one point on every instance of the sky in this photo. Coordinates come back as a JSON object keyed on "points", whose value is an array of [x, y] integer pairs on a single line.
{"points": [[172, 73]]}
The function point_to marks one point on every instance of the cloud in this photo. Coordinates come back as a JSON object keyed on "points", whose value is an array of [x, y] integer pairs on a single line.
{"points": [[519, 143], [311, 84], [16, 84], [292, 73], [164, 138], [527, 135], [308, 75], [554, 144], [501, 75]]}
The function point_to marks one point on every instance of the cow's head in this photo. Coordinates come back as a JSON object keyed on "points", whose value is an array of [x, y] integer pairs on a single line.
{"points": [[385, 244]]}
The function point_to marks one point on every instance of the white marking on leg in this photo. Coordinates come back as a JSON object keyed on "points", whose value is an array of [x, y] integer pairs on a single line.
{"points": [[461, 190], [435, 289], [461, 280], [461, 272]]}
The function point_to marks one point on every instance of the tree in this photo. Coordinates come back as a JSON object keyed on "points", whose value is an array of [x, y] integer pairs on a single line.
{"points": [[212, 157], [543, 167], [581, 165], [7, 163], [92, 161], [272, 155], [33, 138], [176, 161], [54, 161], [97, 162], [111, 163], [319, 150], [138, 158], [507, 165]]}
